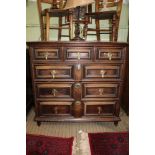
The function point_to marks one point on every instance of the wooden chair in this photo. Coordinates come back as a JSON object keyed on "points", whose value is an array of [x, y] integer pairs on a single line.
{"points": [[104, 10], [54, 11]]}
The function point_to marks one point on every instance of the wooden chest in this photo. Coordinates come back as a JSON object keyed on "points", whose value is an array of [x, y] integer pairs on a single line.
{"points": [[77, 81]]}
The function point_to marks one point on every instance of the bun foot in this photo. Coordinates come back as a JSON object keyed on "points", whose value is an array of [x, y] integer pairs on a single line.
{"points": [[38, 123], [116, 123]]}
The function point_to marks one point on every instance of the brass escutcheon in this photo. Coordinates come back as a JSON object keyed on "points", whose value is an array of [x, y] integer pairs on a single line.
{"points": [[77, 102], [77, 85]]}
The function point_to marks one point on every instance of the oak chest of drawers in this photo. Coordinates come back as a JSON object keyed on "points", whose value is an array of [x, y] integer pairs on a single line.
{"points": [[77, 81]]}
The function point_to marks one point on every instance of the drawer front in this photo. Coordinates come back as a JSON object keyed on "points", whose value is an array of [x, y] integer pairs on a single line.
{"points": [[55, 90], [105, 108], [109, 54], [53, 72], [47, 54], [78, 54], [100, 90], [102, 71], [55, 108]]}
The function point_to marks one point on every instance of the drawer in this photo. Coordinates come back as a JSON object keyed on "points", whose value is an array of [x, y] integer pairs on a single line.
{"points": [[47, 54], [54, 90], [100, 90], [106, 108], [102, 72], [53, 72], [55, 108], [74, 54], [110, 54]]}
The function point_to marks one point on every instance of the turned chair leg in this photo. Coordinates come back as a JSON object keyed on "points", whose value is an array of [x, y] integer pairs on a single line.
{"points": [[97, 29], [85, 31], [111, 29], [47, 26], [60, 28], [41, 28], [114, 38], [71, 27]]}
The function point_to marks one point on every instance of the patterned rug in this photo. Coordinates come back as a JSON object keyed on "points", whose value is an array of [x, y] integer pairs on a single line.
{"points": [[44, 145], [109, 143]]}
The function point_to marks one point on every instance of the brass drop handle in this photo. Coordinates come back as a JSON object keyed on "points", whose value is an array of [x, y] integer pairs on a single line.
{"points": [[109, 55], [54, 91], [102, 73], [101, 91], [53, 72], [46, 56], [77, 85], [55, 110], [99, 110], [78, 56]]}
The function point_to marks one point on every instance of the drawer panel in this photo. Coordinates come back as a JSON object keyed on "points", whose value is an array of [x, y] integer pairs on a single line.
{"points": [[55, 108], [47, 54], [99, 108], [74, 54], [109, 54], [102, 71], [53, 72], [55, 90], [100, 90]]}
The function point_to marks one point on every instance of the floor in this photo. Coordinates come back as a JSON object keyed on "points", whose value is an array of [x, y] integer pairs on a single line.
{"points": [[64, 129]]}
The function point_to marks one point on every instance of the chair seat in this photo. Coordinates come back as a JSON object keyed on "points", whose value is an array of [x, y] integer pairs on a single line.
{"points": [[99, 15], [55, 12]]}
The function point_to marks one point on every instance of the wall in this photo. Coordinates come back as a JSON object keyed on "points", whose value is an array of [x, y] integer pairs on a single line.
{"points": [[33, 27]]}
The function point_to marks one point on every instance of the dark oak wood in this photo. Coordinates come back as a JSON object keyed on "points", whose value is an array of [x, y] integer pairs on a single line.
{"points": [[29, 94], [38, 123], [78, 81], [125, 97]]}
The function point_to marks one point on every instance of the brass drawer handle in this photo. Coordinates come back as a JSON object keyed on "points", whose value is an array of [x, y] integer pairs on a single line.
{"points": [[109, 55], [100, 91], [46, 56], [53, 72], [77, 85], [78, 56], [54, 91], [102, 73], [99, 110]]}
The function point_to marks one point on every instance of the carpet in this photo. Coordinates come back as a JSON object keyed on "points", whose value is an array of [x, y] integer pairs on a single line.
{"points": [[109, 143], [44, 145]]}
